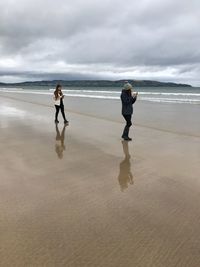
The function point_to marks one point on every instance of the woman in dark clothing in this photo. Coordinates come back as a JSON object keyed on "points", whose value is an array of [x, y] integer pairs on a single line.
{"points": [[59, 105], [128, 99]]}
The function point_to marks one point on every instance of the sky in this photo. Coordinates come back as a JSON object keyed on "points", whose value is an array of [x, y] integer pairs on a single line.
{"points": [[93, 39]]}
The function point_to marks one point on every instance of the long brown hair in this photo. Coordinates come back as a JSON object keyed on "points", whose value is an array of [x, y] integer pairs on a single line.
{"points": [[128, 92], [56, 91]]}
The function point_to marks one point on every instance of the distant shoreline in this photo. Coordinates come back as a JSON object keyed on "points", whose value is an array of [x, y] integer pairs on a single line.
{"points": [[97, 83]]}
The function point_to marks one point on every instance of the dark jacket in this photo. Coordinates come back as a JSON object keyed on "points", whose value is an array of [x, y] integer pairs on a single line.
{"points": [[127, 102]]}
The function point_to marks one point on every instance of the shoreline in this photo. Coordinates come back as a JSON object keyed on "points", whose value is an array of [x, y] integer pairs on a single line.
{"points": [[166, 117]]}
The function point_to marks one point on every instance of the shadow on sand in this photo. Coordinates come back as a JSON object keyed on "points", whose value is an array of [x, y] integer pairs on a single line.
{"points": [[125, 177], [60, 141]]}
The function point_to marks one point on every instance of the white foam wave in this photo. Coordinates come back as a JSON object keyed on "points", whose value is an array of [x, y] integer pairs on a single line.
{"points": [[140, 93], [10, 89], [109, 97], [168, 94], [100, 92], [171, 100]]}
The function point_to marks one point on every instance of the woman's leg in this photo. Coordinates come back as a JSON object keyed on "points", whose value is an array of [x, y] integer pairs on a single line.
{"points": [[127, 126], [56, 114], [63, 113]]}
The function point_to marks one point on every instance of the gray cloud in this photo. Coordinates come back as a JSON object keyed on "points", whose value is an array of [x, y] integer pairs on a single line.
{"points": [[100, 39]]}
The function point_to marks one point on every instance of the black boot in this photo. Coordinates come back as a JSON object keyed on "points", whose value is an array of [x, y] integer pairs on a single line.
{"points": [[126, 133], [127, 138]]}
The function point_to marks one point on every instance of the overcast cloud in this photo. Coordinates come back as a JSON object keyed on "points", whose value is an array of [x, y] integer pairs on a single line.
{"points": [[107, 39]]}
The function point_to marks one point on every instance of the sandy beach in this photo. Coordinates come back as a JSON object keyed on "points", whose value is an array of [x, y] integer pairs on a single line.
{"points": [[90, 199]]}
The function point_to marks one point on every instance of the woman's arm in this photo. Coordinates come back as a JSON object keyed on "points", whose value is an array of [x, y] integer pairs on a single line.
{"points": [[134, 98]]}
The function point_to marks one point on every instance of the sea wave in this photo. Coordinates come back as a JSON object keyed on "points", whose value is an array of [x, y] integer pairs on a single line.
{"points": [[160, 97], [172, 100], [139, 92]]}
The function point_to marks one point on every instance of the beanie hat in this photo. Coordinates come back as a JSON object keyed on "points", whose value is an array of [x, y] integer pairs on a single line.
{"points": [[128, 86]]}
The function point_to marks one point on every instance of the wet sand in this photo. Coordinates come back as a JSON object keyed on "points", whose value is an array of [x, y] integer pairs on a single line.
{"points": [[80, 197]]}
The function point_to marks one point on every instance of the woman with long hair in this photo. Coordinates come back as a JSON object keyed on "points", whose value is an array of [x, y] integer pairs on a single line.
{"points": [[59, 105]]}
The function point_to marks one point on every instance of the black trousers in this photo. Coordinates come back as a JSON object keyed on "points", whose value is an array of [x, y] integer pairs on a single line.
{"points": [[127, 126], [60, 108]]}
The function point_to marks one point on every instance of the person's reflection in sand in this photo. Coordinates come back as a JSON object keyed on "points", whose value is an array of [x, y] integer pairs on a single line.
{"points": [[60, 141], [125, 176]]}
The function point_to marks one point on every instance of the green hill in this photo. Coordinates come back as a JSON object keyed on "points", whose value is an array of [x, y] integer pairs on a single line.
{"points": [[97, 83]]}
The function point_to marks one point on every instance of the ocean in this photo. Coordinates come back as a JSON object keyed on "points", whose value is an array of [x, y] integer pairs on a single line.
{"points": [[176, 95]]}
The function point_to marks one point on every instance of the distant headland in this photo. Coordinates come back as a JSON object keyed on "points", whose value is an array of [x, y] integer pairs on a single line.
{"points": [[97, 83]]}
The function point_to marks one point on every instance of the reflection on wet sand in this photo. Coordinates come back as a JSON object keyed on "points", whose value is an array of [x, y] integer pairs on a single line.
{"points": [[60, 141], [125, 177]]}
